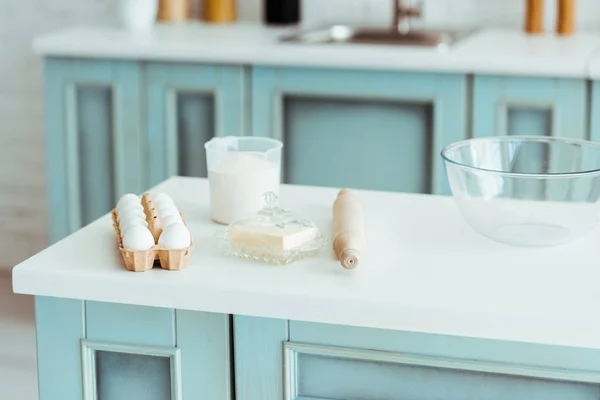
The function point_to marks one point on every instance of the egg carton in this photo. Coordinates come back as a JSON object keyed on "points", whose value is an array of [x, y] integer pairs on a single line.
{"points": [[144, 260]]}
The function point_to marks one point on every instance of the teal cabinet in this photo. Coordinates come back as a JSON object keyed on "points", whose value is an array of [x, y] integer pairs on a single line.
{"points": [[529, 106], [114, 127], [93, 138], [187, 105], [297, 360], [361, 129], [595, 111], [93, 350], [123, 126], [114, 351]]}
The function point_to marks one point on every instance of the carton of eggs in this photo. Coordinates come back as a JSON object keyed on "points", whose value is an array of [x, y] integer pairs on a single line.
{"points": [[151, 228]]}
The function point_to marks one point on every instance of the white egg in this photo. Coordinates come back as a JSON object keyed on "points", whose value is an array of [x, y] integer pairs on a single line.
{"points": [[127, 201], [127, 213], [127, 228], [128, 197], [138, 238], [170, 220], [130, 207], [175, 236], [124, 229], [134, 219], [166, 210], [158, 196], [165, 204], [161, 198]]}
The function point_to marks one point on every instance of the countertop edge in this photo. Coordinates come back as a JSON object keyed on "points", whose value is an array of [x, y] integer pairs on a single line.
{"points": [[517, 328], [459, 61]]}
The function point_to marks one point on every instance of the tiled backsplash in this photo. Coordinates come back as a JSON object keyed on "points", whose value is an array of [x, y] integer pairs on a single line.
{"points": [[436, 12]]}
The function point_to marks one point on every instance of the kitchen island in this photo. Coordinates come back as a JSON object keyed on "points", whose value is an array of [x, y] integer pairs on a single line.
{"points": [[434, 311]]}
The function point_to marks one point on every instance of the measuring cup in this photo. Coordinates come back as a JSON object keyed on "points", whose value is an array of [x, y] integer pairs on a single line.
{"points": [[241, 169]]}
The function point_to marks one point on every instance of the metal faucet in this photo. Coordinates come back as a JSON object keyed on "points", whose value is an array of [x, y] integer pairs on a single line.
{"points": [[404, 11]]}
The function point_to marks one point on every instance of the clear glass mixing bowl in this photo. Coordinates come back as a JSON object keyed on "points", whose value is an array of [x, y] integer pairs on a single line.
{"points": [[526, 190]]}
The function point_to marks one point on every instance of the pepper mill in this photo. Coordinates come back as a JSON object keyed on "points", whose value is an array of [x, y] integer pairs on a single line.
{"points": [[174, 10], [565, 22], [219, 11], [534, 17]]}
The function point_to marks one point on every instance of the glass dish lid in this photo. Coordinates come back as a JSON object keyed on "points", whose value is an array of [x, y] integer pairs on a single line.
{"points": [[272, 235]]}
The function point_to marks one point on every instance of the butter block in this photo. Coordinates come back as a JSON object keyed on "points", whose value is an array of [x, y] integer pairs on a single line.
{"points": [[272, 236]]}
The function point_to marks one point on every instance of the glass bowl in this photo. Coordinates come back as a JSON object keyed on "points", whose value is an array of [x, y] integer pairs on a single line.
{"points": [[526, 190]]}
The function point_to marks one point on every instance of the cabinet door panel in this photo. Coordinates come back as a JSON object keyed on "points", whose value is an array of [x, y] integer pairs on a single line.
{"points": [[206, 356], [94, 151], [60, 325], [327, 361], [446, 346], [340, 134], [363, 129], [187, 105], [127, 352], [93, 139], [259, 357], [195, 126], [134, 352], [122, 376], [354, 374], [595, 112], [529, 121], [529, 106], [128, 324]]}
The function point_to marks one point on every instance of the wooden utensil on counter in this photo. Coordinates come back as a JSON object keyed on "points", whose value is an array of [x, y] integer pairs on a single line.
{"points": [[219, 10], [565, 21], [534, 17], [174, 10], [349, 239]]}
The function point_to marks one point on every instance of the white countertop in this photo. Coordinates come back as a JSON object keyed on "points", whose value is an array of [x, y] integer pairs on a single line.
{"points": [[490, 51], [426, 271]]}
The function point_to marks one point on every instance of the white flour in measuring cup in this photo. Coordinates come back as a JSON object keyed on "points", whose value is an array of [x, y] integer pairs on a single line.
{"points": [[238, 182]]}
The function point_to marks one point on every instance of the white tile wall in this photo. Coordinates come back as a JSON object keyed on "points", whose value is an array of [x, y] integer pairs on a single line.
{"points": [[436, 12], [23, 215]]}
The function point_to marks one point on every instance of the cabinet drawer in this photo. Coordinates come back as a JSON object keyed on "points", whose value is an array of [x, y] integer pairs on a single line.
{"points": [[326, 372], [328, 361]]}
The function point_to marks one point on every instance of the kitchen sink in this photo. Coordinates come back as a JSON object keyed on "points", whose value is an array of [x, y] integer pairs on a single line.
{"points": [[347, 34]]}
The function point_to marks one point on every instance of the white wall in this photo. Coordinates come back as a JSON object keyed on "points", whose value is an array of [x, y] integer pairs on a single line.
{"points": [[22, 171], [447, 12], [436, 12], [23, 215]]}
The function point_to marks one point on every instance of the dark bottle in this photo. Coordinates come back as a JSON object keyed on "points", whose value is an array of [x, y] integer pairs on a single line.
{"points": [[282, 12]]}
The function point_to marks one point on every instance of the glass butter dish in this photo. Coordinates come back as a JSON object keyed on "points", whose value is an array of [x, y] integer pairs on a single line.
{"points": [[273, 235]]}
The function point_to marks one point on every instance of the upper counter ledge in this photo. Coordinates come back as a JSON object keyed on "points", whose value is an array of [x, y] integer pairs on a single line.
{"points": [[490, 51]]}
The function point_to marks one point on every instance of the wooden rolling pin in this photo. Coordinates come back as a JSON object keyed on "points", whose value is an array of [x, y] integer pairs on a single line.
{"points": [[534, 17], [348, 229]]}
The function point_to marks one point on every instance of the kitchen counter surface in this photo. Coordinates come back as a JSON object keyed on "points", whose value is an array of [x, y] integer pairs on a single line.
{"points": [[426, 271], [490, 51]]}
